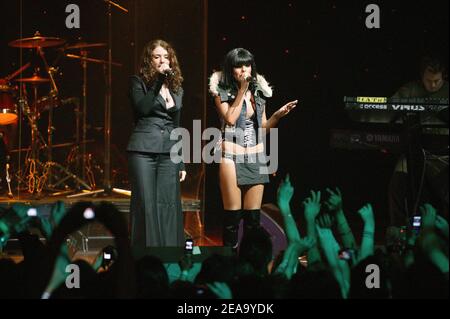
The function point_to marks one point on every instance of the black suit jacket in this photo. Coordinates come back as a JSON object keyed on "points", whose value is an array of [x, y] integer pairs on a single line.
{"points": [[153, 122]]}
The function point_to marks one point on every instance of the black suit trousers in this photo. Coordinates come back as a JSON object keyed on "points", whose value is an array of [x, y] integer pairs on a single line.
{"points": [[156, 212]]}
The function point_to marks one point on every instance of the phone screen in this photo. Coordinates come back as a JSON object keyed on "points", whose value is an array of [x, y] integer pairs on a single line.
{"points": [[32, 212], [417, 221], [189, 246]]}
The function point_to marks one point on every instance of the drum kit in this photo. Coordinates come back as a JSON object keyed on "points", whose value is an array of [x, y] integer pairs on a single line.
{"points": [[40, 172]]}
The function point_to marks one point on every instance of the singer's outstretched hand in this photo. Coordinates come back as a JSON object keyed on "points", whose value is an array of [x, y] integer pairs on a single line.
{"points": [[285, 109]]}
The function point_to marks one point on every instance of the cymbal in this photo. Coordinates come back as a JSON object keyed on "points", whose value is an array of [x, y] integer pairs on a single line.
{"points": [[33, 79], [73, 56], [37, 42], [85, 45]]}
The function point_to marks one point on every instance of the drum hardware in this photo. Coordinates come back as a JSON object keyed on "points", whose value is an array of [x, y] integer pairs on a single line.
{"points": [[107, 187], [8, 177], [86, 159], [35, 181]]}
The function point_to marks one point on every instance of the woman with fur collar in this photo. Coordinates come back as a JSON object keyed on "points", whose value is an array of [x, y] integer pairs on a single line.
{"points": [[240, 95]]}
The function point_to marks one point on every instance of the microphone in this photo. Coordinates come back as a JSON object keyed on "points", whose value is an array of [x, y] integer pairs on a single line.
{"points": [[169, 73], [250, 79]]}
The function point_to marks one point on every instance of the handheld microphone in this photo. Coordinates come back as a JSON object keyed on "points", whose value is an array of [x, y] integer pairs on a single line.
{"points": [[169, 73], [250, 79]]}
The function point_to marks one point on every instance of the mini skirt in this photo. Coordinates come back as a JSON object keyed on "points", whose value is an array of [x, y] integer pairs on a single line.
{"points": [[251, 169]]}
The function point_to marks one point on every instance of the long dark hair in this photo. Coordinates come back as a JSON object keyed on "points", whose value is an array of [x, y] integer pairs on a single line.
{"points": [[149, 74], [235, 59]]}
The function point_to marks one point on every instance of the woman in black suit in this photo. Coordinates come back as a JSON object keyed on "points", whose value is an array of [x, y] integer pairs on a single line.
{"points": [[156, 97]]}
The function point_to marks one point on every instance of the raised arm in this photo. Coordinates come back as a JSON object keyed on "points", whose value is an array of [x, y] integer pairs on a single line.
{"points": [[284, 196], [275, 118], [335, 204], [367, 243], [312, 209]]}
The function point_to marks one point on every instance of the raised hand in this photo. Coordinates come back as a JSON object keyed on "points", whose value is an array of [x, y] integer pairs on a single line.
{"points": [[244, 84], [312, 206], [428, 216], [325, 221], [285, 193], [221, 290], [334, 202], [442, 225], [366, 214], [289, 264], [285, 109], [164, 67], [306, 244]]}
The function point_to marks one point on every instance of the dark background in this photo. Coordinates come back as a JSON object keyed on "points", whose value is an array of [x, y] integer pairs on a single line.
{"points": [[316, 52]]}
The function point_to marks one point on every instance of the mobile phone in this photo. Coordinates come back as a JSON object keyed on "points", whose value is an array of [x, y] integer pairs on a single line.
{"points": [[32, 212], [200, 291], [416, 223], [109, 256], [189, 246]]}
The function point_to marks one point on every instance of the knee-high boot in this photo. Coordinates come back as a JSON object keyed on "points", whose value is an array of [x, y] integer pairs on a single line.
{"points": [[231, 220], [252, 219]]}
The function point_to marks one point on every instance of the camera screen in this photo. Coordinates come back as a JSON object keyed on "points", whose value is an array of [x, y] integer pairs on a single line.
{"points": [[417, 221], [32, 212], [106, 256]]}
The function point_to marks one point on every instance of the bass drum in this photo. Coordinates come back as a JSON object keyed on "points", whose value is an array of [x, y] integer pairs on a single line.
{"points": [[8, 106]]}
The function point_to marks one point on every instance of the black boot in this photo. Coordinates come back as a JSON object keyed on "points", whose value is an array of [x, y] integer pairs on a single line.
{"points": [[252, 220], [231, 220]]}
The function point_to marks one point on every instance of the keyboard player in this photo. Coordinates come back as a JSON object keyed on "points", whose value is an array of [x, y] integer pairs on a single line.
{"points": [[432, 84]]}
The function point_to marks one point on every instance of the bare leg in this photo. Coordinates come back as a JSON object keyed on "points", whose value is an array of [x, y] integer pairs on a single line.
{"points": [[231, 193], [253, 196]]}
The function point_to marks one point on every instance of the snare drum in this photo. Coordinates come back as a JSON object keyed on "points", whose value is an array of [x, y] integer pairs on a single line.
{"points": [[8, 106]]}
